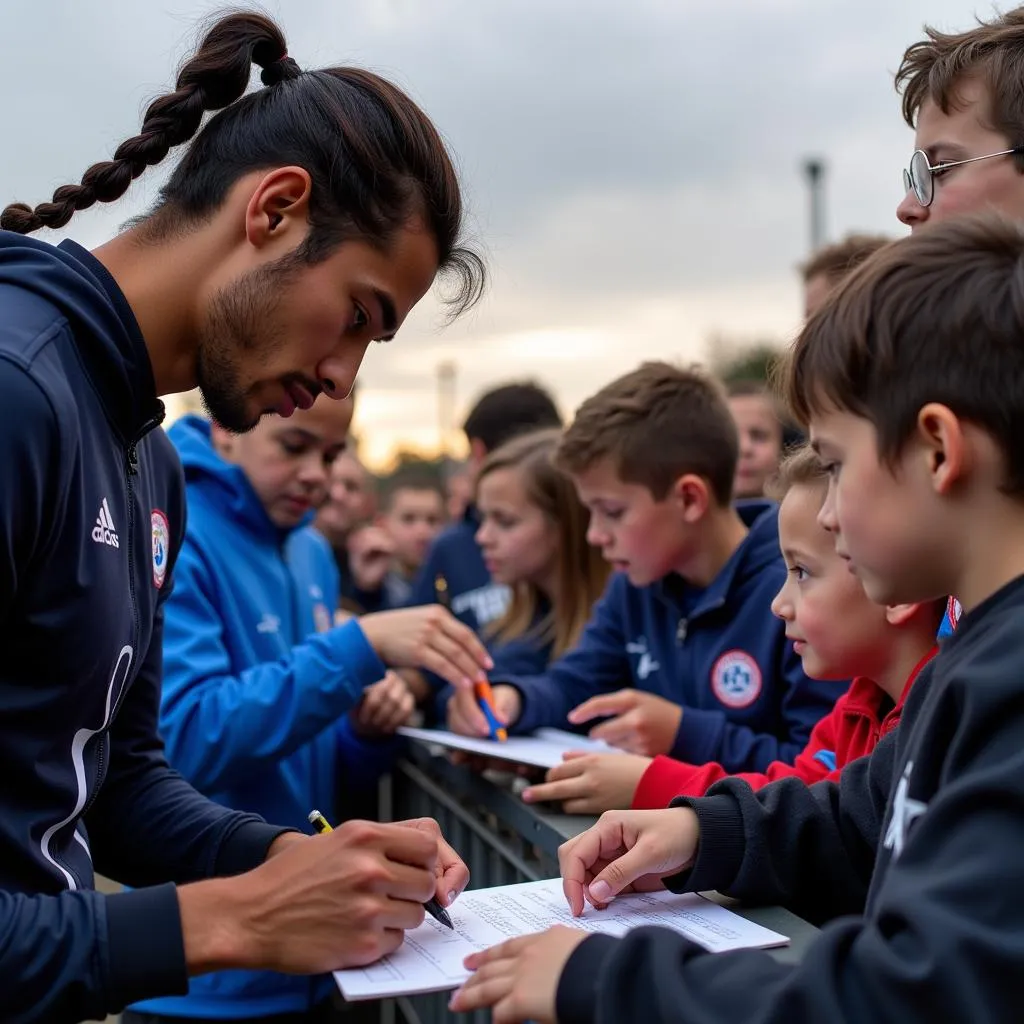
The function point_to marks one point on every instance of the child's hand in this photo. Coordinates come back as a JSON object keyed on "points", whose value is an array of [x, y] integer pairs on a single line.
{"points": [[370, 551], [644, 723], [591, 783], [427, 637], [626, 851], [466, 718], [385, 707], [519, 978]]}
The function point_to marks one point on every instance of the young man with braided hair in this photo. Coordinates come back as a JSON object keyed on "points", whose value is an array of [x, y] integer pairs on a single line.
{"points": [[305, 220]]}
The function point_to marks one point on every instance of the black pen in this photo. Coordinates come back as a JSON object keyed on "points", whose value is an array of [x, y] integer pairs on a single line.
{"points": [[432, 907]]}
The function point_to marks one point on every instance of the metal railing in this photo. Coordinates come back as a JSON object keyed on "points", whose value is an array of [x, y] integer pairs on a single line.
{"points": [[504, 840], [501, 839]]}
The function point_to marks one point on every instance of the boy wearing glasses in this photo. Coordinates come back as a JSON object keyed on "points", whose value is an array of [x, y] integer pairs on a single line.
{"points": [[962, 96]]}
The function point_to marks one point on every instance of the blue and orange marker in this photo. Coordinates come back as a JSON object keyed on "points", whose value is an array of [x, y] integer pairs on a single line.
{"points": [[482, 689]]}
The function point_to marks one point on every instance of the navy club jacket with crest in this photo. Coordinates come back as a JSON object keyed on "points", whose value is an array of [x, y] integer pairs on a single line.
{"points": [[718, 651], [91, 517]]}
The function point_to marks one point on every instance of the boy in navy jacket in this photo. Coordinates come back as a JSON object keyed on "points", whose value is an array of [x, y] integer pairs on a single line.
{"points": [[911, 380], [686, 624]]}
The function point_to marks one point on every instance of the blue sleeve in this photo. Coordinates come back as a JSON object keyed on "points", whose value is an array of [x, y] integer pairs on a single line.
{"points": [[217, 723], [598, 664], [708, 735], [63, 958], [363, 761]]}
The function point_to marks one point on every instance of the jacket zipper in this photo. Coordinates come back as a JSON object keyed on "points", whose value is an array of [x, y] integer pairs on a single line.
{"points": [[131, 470]]}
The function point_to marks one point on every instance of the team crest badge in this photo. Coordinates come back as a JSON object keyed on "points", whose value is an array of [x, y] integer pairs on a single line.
{"points": [[736, 679], [161, 546]]}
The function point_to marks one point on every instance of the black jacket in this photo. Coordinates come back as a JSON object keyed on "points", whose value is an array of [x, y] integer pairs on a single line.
{"points": [[914, 857], [91, 516]]}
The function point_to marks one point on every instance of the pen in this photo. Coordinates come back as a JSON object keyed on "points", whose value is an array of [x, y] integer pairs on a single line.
{"points": [[484, 696], [432, 907]]}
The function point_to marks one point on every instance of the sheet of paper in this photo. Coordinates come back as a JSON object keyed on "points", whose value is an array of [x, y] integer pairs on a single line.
{"points": [[430, 959], [542, 748]]}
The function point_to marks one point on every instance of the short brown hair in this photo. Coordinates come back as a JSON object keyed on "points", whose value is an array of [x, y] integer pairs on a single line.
{"points": [[800, 468], [657, 423], [936, 317], [992, 52], [835, 261]]}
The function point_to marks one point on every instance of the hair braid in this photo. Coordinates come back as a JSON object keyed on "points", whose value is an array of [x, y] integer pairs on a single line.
{"points": [[217, 75]]}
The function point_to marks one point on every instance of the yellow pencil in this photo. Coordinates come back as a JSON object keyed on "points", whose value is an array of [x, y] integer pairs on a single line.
{"points": [[319, 822], [432, 907]]}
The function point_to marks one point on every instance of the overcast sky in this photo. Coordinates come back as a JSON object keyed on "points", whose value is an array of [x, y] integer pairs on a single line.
{"points": [[632, 168]]}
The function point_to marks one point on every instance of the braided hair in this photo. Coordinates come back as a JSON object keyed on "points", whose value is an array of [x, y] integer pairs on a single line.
{"points": [[373, 156]]}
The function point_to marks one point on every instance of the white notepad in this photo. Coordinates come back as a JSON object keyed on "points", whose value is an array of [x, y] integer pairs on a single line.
{"points": [[430, 959], [542, 749]]}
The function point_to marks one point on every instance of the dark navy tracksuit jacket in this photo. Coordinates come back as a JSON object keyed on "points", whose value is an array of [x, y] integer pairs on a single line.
{"points": [[912, 860], [718, 651], [92, 512]]}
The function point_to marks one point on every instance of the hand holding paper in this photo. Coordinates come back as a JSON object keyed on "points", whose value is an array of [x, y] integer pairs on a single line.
{"points": [[433, 959], [587, 783], [626, 851], [519, 978]]}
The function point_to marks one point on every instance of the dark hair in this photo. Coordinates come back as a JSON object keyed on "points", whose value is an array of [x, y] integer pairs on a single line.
{"points": [[374, 157], [936, 317], [503, 412], [934, 68], [657, 423], [838, 259], [410, 479]]}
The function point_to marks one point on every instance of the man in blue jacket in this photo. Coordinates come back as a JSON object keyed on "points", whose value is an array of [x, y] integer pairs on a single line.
{"points": [[267, 706], [682, 655], [262, 275]]}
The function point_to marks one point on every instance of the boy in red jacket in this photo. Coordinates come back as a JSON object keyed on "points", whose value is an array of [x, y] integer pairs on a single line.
{"points": [[837, 632]]}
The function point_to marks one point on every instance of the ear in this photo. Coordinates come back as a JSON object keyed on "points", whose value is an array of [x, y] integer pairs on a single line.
{"points": [[691, 496], [941, 438], [278, 210], [477, 451], [901, 614], [224, 442]]}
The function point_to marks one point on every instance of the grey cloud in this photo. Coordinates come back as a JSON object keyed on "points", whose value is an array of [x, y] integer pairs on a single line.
{"points": [[617, 156]]}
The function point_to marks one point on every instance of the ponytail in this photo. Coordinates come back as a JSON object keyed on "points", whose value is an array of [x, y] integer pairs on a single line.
{"points": [[218, 74], [374, 158]]}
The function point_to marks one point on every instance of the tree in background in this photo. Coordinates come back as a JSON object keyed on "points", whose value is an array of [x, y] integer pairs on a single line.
{"points": [[732, 359]]}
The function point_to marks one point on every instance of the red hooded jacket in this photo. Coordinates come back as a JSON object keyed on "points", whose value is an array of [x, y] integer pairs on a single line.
{"points": [[850, 730]]}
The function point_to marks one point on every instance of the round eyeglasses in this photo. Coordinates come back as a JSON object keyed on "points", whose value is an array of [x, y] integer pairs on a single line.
{"points": [[921, 174]]}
